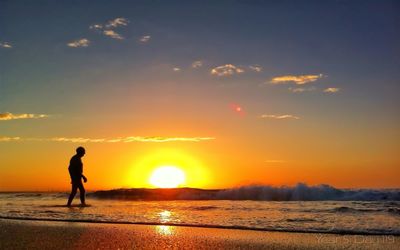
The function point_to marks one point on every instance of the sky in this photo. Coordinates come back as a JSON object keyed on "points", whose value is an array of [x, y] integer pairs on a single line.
{"points": [[231, 92]]}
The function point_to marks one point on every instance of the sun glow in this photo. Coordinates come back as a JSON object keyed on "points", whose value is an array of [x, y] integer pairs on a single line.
{"points": [[142, 169], [167, 177]]}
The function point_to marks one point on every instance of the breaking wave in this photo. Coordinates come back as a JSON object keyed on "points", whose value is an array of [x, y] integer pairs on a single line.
{"points": [[299, 192], [303, 192]]}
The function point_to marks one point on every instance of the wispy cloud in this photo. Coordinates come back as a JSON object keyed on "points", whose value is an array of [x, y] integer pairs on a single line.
{"points": [[197, 64], [79, 43], [107, 29], [96, 27], [119, 21], [331, 90], [167, 139], [301, 89], [144, 39], [275, 161], [113, 34], [176, 69], [299, 80], [128, 139], [3, 139], [255, 68], [279, 117], [9, 116], [226, 70], [5, 45]]}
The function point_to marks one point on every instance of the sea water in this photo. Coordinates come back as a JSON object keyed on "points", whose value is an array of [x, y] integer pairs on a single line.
{"points": [[361, 217]]}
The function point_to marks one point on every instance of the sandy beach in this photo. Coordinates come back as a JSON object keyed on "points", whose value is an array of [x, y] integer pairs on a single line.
{"points": [[21, 234]]}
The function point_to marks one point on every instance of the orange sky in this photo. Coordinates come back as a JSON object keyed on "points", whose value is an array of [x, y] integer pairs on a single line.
{"points": [[214, 145], [236, 94], [237, 153]]}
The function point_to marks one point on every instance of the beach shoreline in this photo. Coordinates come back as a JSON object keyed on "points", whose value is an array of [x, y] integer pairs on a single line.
{"points": [[36, 234]]}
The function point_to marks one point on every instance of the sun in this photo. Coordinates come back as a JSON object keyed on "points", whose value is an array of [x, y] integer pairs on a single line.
{"points": [[167, 177]]}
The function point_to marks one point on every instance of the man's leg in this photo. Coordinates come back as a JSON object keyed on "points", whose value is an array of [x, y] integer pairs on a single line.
{"points": [[82, 193], [72, 195]]}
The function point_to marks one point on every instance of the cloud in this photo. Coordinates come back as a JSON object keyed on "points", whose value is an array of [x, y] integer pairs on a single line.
{"points": [[301, 89], [299, 80], [7, 139], [167, 139], [197, 64], [128, 139], [144, 39], [275, 161], [226, 70], [279, 117], [9, 116], [119, 21], [255, 68], [5, 45], [331, 90], [176, 69], [113, 34], [79, 43], [96, 27], [108, 28], [74, 139]]}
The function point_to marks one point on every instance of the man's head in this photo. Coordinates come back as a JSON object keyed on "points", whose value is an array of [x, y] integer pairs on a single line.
{"points": [[80, 151]]}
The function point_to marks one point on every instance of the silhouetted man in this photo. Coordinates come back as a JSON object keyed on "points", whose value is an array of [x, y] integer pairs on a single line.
{"points": [[76, 172]]}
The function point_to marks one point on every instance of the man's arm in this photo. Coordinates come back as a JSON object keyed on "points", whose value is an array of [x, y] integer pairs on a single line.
{"points": [[81, 170]]}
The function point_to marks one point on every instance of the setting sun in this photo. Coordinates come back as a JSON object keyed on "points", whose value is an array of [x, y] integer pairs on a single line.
{"points": [[167, 177]]}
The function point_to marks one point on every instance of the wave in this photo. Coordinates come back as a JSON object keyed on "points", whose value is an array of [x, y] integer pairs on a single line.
{"points": [[202, 208], [303, 192], [299, 192], [27, 195], [300, 220], [370, 231]]}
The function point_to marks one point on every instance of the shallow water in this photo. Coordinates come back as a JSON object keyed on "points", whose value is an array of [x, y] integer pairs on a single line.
{"points": [[365, 217]]}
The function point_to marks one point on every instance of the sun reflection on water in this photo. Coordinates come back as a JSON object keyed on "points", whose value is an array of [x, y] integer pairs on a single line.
{"points": [[165, 216], [165, 230]]}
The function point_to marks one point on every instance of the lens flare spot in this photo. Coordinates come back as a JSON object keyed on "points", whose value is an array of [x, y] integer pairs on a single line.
{"points": [[237, 109]]}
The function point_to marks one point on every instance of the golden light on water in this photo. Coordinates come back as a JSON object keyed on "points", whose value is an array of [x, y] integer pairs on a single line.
{"points": [[167, 177], [165, 230], [165, 216]]}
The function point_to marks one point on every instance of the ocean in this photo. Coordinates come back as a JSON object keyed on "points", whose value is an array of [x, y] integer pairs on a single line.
{"points": [[253, 208]]}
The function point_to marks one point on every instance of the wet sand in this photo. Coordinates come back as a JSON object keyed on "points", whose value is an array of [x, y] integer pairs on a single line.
{"points": [[20, 234]]}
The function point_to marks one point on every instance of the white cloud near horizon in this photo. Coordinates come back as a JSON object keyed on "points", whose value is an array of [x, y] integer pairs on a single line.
{"points": [[226, 70], [197, 64], [298, 80], [255, 68], [128, 139], [279, 117], [145, 39], [79, 43], [275, 161], [7, 139], [301, 89], [331, 90], [5, 45], [10, 116]]}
